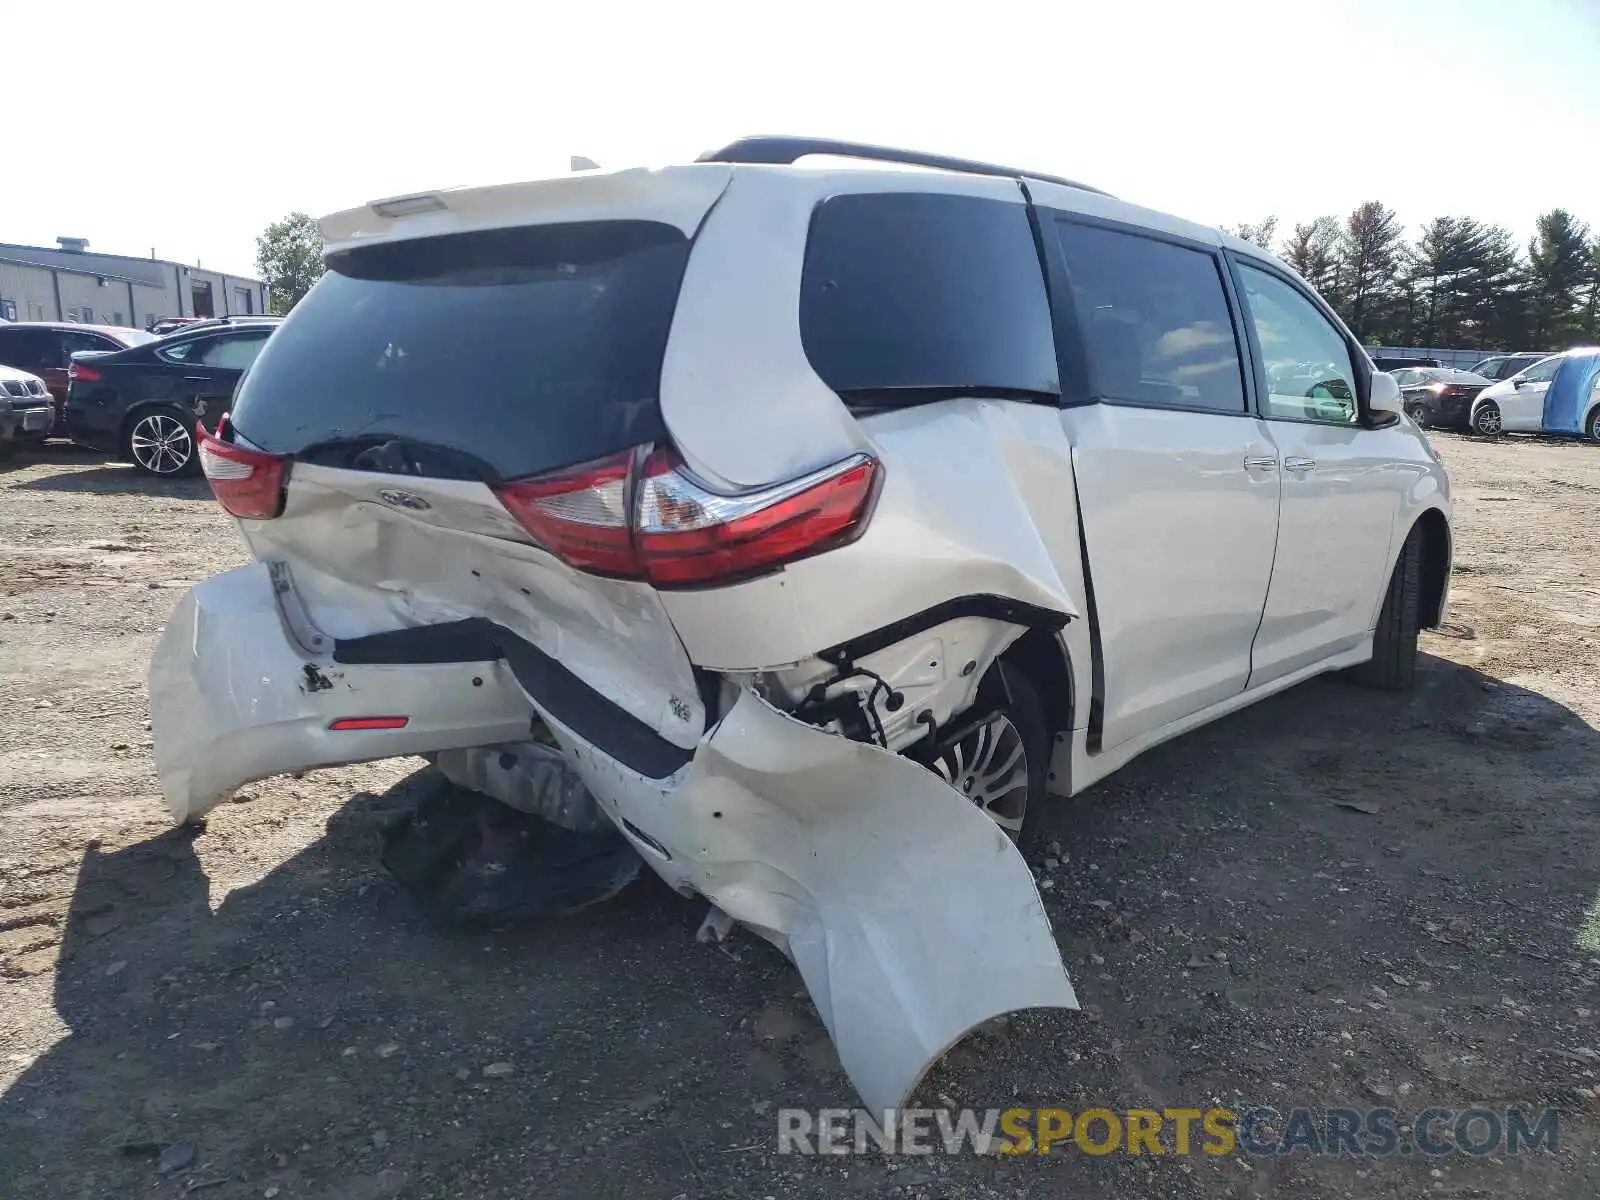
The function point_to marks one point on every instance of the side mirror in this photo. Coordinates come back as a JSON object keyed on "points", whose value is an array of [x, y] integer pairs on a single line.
{"points": [[1517, 381], [1383, 398]]}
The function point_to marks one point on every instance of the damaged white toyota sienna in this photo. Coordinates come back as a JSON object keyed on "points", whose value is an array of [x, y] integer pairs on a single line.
{"points": [[828, 520]]}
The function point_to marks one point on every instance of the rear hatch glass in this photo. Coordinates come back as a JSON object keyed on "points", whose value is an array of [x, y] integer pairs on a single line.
{"points": [[498, 353]]}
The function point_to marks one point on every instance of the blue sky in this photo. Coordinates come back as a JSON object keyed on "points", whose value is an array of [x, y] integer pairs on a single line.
{"points": [[1220, 112]]}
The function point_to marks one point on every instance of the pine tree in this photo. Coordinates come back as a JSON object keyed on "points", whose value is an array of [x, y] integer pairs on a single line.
{"points": [[1559, 265], [1368, 246]]}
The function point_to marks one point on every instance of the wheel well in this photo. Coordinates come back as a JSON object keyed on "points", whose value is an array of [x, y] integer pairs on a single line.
{"points": [[1039, 655], [1435, 566]]}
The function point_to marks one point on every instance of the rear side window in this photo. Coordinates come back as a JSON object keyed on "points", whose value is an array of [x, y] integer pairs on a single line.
{"points": [[515, 351], [918, 293], [1155, 320]]}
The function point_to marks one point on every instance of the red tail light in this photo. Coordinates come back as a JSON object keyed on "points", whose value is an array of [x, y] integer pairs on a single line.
{"points": [[247, 483], [655, 522], [580, 514], [78, 373]]}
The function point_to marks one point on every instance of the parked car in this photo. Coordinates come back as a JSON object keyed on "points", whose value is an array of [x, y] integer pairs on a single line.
{"points": [[45, 349], [828, 520], [25, 410], [1438, 397], [1520, 404], [169, 325], [1504, 366], [142, 403], [1400, 364]]}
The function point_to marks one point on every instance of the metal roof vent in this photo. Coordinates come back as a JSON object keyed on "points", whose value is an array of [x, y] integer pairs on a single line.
{"points": [[73, 245]]}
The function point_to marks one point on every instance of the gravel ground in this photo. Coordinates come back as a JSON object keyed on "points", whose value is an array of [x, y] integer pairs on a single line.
{"points": [[1337, 898]]}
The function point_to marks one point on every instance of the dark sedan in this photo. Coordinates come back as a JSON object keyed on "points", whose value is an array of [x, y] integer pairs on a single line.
{"points": [[142, 404], [1438, 397]]}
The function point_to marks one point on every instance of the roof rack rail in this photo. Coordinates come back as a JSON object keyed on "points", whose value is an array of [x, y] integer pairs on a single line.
{"points": [[784, 151]]}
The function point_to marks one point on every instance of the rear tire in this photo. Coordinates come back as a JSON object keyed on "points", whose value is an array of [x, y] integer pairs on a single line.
{"points": [[1487, 422], [1419, 414], [1594, 425], [160, 442], [1393, 665], [983, 766]]}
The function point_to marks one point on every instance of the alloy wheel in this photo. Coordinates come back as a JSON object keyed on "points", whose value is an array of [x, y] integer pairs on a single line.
{"points": [[1488, 420], [1419, 414], [160, 444], [989, 766]]}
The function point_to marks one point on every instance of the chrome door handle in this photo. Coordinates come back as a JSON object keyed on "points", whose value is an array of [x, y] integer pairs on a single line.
{"points": [[1261, 462], [1300, 465]]}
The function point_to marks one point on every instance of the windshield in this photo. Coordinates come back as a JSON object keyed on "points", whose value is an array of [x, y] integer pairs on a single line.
{"points": [[521, 350]]}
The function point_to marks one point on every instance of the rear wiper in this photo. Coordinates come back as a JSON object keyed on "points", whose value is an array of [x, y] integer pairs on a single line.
{"points": [[886, 399]]}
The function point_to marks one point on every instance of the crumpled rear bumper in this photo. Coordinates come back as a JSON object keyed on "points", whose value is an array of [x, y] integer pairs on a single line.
{"points": [[911, 916], [234, 697], [909, 913]]}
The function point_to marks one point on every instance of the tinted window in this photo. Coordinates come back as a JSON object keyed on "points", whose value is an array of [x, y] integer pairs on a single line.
{"points": [[30, 349], [1543, 372], [1307, 363], [235, 353], [1155, 320], [925, 291], [73, 342], [518, 350], [1407, 377], [188, 351]]}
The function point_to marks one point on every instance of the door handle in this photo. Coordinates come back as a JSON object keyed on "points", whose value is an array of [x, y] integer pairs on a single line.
{"points": [[1300, 465], [1260, 462], [197, 379]]}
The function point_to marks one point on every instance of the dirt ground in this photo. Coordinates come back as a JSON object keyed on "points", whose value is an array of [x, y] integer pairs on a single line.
{"points": [[261, 1002]]}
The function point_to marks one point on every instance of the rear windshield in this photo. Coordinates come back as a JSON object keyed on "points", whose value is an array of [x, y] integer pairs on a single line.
{"points": [[906, 294], [516, 351]]}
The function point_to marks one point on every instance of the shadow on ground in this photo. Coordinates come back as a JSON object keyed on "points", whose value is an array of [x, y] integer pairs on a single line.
{"points": [[1335, 898], [114, 478]]}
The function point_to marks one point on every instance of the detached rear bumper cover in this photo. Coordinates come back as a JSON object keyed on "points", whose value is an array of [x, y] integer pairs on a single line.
{"points": [[235, 698], [910, 915]]}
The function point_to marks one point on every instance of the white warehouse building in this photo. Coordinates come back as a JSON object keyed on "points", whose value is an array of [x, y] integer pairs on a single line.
{"points": [[69, 283]]}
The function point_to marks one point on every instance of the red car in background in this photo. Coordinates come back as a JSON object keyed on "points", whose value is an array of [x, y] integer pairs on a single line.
{"points": [[45, 348]]}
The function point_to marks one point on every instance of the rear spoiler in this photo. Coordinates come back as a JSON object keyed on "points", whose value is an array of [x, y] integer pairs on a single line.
{"points": [[678, 196]]}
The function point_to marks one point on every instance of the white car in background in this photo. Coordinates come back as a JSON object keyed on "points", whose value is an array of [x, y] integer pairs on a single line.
{"points": [[1516, 405], [829, 521], [26, 412]]}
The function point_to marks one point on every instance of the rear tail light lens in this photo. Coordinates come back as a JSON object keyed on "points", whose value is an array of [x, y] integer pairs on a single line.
{"points": [[78, 373], [688, 536], [651, 520], [580, 514], [354, 724], [247, 483]]}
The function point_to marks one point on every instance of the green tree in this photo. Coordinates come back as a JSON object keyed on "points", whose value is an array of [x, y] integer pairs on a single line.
{"points": [[1260, 233], [1368, 248], [289, 257], [1591, 302], [1559, 265], [1313, 250]]}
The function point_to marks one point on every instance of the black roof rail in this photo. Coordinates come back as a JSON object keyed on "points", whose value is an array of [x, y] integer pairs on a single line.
{"points": [[785, 151]]}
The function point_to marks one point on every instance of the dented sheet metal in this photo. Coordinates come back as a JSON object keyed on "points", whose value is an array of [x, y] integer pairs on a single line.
{"points": [[910, 915], [235, 697]]}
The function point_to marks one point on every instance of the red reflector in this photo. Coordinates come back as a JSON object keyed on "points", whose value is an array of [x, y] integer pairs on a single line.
{"points": [[247, 483], [78, 373], [345, 723]]}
